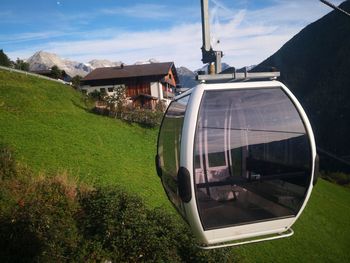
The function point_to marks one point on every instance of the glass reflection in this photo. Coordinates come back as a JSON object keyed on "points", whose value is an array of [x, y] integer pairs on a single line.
{"points": [[169, 148], [252, 157]]}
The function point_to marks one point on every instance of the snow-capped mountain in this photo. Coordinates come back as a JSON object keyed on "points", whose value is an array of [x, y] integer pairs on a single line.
{"points": [[150, 61], [42, 60], [102, 63]]}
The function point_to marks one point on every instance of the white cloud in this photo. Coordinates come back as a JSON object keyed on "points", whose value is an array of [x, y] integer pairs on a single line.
{"points": [[23, 37], [149, 11], [246, 36]]}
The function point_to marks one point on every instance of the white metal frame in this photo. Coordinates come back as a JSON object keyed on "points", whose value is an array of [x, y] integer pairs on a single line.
{"points": [[240, 232], [288, 233]]}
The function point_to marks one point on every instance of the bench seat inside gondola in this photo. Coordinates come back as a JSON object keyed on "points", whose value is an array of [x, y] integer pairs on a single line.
{"points": [[226, 200]]}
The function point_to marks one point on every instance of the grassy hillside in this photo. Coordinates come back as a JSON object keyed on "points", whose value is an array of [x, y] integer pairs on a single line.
{"points": [[322, 233], [50, 129]]}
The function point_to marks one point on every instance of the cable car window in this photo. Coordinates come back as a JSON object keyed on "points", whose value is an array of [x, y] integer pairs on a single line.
{"points": [[169, 148], [250, 159]]}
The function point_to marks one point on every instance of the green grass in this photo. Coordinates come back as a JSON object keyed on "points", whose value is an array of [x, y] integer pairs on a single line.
{"points": [[49, 127], [322, 233]]}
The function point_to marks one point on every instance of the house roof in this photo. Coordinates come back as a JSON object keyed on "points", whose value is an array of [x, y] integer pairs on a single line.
{"points": [[153, 69]]}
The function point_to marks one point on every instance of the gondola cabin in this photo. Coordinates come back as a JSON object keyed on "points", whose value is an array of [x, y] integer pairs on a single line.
{"points": [[237, 160]]}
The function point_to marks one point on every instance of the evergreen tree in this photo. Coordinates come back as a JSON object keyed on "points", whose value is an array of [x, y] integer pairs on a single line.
{"points": [[4, 60]]}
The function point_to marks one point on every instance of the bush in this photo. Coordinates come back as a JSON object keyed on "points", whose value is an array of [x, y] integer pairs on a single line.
{"points": [[128, 231], [337, 177], [7, 162], [41, 226], [116, 107], [144, 117], [122, 225], [52, 219]]}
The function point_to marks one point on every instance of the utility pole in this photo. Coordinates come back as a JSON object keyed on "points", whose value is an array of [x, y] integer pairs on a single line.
{"points": [[208, 54]]}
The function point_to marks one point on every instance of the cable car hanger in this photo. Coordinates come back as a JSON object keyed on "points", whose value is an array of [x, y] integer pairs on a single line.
{"points": [[236, 158]]}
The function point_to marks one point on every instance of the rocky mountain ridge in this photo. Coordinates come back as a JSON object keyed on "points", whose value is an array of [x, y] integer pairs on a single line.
{"points": [[42, 60]]}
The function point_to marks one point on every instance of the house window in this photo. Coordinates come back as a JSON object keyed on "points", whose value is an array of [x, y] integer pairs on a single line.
{"points": [[110, 89], [169, 76]]}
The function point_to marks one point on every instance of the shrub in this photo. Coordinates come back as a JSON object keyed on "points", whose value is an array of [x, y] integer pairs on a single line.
{"points": [[116, 107], [337, 177], [95, 95], [144, 117], [7, 162], [128, 231], [124, 227], [161, 106], [52, 219], [41, 226]]}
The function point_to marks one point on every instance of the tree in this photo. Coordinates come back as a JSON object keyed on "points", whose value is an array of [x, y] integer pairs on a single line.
{"points": [[21, 65], [56, 73], [4, 60], [76, 81], [117, 101]]}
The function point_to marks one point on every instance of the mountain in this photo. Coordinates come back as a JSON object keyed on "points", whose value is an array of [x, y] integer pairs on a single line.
{"points": [[150, 61], [103, 63], [187, 77], [42, 60], [315, 65], [224, 66], [231, 70]]}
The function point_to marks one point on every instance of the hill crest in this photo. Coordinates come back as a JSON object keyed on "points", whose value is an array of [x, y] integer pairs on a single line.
{"points": [[315, 65]]}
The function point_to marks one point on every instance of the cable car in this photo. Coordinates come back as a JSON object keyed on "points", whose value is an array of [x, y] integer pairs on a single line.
{"points": [[237, 161]]}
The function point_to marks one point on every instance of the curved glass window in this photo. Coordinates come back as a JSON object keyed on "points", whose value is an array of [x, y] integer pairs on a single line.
{"points": [[169, 148], [252, 157]]}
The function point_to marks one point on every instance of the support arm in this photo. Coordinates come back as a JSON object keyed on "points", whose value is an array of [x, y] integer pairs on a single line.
{"points": [[208, 54]]}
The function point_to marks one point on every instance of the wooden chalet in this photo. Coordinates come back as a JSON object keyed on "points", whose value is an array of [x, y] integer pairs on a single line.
{"points": [[145, 84]]}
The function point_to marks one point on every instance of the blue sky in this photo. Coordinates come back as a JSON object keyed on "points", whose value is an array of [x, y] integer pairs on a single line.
{"points": [[130, 30]]}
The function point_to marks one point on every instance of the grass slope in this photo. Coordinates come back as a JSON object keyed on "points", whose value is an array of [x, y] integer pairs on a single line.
{"points": [[322, 233], [49, 127]]}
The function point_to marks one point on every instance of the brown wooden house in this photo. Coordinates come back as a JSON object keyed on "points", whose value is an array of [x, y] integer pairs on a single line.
{"points": [[145, 84]]}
